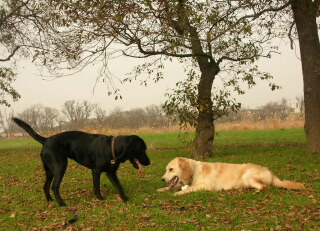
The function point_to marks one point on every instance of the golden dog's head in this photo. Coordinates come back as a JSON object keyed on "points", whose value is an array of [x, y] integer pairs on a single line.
{"points": [[178, 173]]}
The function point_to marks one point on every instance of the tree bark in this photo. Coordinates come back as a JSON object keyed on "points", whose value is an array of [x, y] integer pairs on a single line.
{"points": [[304, 12], [205, 130]]}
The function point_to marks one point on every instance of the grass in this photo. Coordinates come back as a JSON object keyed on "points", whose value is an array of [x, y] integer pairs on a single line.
{"points": [[23, 206], [260, 137], [176, 139]]}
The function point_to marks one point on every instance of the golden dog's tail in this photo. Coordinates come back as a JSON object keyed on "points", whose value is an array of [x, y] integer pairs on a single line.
{"points": [[287, 184]]}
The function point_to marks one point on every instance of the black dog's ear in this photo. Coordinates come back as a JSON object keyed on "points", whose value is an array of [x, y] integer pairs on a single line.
{"points": [[132, 147], [141, 149], [126, 147]]}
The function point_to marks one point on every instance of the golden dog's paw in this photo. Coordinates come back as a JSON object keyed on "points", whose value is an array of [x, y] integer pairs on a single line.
{"points": [[178, 193], [162, 189]]}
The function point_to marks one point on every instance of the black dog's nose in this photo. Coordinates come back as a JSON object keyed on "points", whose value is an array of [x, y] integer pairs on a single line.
{"points": [[163, 179]]}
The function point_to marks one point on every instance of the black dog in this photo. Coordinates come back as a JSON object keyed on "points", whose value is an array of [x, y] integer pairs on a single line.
{"points": [[99, 153]]}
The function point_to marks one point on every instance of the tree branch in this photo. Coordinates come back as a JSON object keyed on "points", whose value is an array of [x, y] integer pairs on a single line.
{"points": [[289, 35], [5, 17], [245, 58], [164, 52], [234, 59], [11, 55], [253, 17]]}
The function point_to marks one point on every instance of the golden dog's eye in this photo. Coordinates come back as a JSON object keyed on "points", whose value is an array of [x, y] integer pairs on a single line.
{"points": [[170, 169]]}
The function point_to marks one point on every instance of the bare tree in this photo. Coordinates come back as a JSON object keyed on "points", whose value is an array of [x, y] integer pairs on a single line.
{"points": [[116, 118], [33, 115], [50, 119], [156, 117], [78, 113], [68, 109], [100, 116], [300, 102], [284, 109], [268, 111], [135, 118], [6, 123], [237, 116], [274, 110], [43, 119]]}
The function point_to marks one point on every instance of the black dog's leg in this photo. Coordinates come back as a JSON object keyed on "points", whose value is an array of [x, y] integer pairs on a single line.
{"points": [[47, 183], [96, 183], [116, 183], [58, 176]]}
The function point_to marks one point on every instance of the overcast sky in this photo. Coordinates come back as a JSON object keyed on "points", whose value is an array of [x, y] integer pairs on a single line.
{"points": [[35, 89]]}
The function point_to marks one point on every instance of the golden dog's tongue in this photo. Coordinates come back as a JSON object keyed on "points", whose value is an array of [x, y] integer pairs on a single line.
{"points": [[173, 182]]}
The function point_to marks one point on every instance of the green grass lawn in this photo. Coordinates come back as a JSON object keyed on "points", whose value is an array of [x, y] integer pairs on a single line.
{"points": [[175, 139], [23, 205]]}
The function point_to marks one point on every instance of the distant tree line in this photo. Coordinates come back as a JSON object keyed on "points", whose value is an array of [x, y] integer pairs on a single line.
{"points": [[273, 110], [82, 115]]}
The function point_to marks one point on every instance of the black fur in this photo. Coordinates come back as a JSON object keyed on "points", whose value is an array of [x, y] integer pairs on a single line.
{"points": [[90, 150]]}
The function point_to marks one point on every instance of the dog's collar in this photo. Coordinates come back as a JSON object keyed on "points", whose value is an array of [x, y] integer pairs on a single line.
{"points": [[113, 161]]}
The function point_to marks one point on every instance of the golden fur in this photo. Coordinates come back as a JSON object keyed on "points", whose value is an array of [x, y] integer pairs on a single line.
{"points": [[220, 176]]}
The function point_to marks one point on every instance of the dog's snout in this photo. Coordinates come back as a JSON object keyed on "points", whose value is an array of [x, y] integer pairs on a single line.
{"points": [[163, 179]]}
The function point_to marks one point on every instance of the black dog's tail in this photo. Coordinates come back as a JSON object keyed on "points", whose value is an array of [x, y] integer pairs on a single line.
{"points": [[29, 130]]}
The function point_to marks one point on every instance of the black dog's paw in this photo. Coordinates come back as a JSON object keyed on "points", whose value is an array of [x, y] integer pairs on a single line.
{"points": [[62, 204], [124, 198], [101, 198]]}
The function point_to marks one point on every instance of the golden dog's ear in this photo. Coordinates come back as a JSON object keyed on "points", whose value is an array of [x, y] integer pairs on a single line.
{"points": [[186, 170]]}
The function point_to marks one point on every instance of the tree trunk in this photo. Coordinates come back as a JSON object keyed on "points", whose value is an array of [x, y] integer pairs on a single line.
{"points": [[202, 147], [205, 130], [304, 12]]}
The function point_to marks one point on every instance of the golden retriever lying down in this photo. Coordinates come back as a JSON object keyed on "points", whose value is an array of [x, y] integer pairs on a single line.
{"points": [[189, 175]]}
